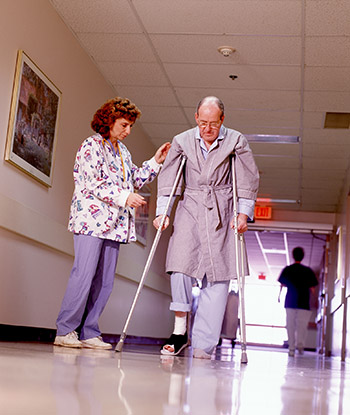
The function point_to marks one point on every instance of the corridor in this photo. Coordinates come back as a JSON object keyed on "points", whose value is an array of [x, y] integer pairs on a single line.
{"points": [[41, 379]]}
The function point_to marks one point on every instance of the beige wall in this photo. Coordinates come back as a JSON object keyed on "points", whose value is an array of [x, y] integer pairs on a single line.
{"points": [[339, 300], [36, 251]]}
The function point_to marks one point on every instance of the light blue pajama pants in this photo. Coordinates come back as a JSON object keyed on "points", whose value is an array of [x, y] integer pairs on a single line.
{"points": [[89, 287], [210, 312]]}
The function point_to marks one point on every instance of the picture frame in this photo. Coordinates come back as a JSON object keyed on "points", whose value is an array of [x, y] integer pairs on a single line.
{"points": [[142, 216], [32, 129]]}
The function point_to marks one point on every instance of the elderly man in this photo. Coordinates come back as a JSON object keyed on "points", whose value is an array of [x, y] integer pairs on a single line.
{"points": [[201, 246]]}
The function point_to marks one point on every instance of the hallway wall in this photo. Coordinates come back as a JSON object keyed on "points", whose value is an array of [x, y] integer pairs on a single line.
{"points": [[338, 305], [36, 250]]}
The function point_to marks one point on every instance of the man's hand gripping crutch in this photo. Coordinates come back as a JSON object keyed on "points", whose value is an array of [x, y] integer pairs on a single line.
{"points": [[239, 225], [162, 225]]}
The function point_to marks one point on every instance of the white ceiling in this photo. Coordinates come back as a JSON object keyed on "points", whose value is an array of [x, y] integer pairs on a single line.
{"points": [[292, 61]]}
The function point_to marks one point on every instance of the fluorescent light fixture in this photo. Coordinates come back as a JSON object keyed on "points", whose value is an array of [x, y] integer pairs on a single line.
{"points": [[268, 200], [278, 139]]}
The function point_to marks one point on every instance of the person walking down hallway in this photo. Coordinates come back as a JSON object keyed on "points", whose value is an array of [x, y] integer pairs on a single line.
{"points": [[202, 243], [101, 218], [299, 280]]}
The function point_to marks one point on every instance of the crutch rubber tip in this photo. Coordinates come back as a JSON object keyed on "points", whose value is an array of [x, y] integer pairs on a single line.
{"points": [[119, 347], [244, 358]]}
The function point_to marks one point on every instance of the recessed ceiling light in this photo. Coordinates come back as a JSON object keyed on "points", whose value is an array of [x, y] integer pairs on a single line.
{"points": [[268, 200], [279, 139]]}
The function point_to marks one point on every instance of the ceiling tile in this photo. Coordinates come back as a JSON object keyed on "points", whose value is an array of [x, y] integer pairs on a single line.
{"points": [[276, 162], [92, 16], [164, 131], [319, 206], [330, 162], [278, 192], [133, 73], [321, 174], [327, 79], [242, 99], [327, 17], [287, 150], [324, 151], [278, 181], [171, 115], [327, 101], [313, 119], [117, 47], [198, 48], [274, 173], [339, 137], [319, 183], [147, 95], [239, 17], [327, 51], [327, 196], [249, 77]]}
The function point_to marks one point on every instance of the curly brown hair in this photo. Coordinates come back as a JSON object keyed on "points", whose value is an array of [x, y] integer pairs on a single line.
{"points": [[110, 111]]}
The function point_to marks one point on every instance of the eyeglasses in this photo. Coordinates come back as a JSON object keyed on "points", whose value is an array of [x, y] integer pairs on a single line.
{"points": [[212, 124]]}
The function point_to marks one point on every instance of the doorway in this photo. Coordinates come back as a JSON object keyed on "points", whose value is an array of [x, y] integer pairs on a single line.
{"points": [[268, 253]]}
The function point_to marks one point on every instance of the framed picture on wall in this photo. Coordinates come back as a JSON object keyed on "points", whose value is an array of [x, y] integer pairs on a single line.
{"points": [[32, 129], [142, 215]]}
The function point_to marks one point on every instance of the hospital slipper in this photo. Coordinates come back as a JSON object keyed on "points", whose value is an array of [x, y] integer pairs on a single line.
{"points": [[201, 354], [177, 342]]}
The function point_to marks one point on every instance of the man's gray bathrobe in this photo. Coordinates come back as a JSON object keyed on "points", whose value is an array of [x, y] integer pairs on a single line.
{"points": [[202, 241]]}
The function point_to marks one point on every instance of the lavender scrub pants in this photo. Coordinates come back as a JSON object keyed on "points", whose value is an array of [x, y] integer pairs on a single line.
{"points": [[89, 287]]}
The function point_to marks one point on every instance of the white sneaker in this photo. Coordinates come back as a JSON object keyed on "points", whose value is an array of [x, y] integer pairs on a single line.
{"points": [[96, 343], [69, 340]]}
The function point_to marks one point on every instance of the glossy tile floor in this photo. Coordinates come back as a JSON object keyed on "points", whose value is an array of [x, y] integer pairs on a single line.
{"points": [[45, 379]]}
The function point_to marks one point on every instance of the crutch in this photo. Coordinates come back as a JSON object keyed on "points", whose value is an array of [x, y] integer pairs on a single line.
{"points": [[150, 256], [239, 268]]}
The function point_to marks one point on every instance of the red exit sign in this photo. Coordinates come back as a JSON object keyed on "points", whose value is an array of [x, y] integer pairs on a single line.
{"points": [[263, 212]]}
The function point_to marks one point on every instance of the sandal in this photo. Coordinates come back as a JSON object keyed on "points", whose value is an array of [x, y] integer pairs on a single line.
{"points": [[178, 342]]}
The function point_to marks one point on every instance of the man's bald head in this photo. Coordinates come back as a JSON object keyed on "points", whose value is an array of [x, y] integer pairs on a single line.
{"points": [[211, 101]]}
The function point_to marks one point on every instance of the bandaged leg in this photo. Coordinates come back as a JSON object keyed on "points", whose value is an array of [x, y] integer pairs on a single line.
{"points": [[181, 290]]}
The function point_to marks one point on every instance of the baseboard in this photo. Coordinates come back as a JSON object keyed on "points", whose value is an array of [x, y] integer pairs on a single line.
{"points": [[11, 333]]}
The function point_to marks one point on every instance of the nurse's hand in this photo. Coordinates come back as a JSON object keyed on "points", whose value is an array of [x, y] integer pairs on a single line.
{"points": [[158, 219], [135, 200], [162, 152], [242, 223]]}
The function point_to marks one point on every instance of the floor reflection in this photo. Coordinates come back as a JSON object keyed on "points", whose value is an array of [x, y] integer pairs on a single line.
{"points": [[43, 379]]}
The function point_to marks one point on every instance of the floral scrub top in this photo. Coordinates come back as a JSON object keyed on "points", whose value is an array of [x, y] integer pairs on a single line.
{"points": [[102, 187]]}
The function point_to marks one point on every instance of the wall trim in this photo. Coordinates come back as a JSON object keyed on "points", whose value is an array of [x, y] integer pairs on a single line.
{"points": [[27, 223], [10, 333]]}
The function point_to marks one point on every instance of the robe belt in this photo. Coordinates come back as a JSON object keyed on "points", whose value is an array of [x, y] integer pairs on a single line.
{"points": [[209, 199]]}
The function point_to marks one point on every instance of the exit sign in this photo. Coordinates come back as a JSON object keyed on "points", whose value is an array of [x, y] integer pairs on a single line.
{"points": [[263, 212]]}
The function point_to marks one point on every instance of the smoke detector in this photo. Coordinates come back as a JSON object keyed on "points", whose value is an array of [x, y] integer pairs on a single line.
{"points": [[226, 50]]}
